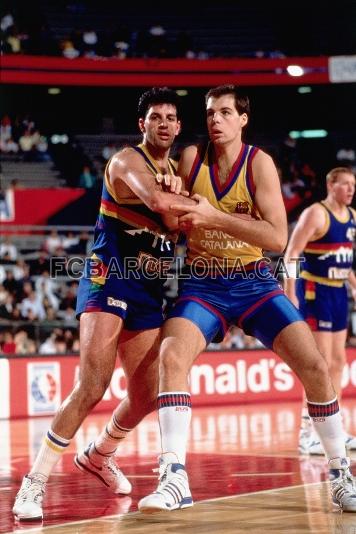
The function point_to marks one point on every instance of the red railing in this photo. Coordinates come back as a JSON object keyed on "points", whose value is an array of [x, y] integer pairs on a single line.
{"points": [[40, 70]]}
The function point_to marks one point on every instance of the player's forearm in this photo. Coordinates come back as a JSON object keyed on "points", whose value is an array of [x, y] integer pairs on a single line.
{"points": [[259, 233], [289, 287], [171, 222], [161, 202]]}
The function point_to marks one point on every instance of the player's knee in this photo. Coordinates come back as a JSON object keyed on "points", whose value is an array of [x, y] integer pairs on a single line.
{"points": [[171, 361], [338, 361], [92, 391], [316, 365]]}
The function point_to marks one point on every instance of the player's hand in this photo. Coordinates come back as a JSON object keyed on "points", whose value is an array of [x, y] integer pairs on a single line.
{"points": [[202, 214], [171, 183]]}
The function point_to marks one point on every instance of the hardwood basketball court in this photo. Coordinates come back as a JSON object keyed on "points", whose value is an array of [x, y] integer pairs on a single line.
{"points": [[245, 476]]}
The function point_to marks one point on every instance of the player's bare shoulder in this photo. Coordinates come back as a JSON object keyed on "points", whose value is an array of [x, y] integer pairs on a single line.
{"points": [[187, 159], [263, 167], [124, 159], [124, 165], [189, 153], [314, 218], [315, 210]]}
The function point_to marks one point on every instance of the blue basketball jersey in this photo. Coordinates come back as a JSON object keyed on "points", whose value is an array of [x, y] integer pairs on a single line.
{"points": [[329, 258]]}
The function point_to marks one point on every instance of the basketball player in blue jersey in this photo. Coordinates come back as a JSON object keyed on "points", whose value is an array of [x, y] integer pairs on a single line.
{"points": [[239, 212], [119, 302], [324, 238]]}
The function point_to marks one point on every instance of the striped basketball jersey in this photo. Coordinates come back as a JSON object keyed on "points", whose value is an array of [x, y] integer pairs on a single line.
{"points": [[328, 259], [126, 229], [235, 195]]}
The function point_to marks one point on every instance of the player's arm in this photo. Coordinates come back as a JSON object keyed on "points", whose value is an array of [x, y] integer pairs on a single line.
{"points": [[269, 233], [309, 226], [352, 282], [128, 174], [186, 161]]}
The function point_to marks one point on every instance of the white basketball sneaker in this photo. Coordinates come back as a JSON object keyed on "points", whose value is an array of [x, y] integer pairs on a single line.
{"points": [[172, 492], [28, 501], [343, 487], [309, 442], [108, 472]]}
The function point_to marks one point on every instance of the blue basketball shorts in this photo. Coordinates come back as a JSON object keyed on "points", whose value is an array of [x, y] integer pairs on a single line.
{"points": [[254, 301], [325, 308], [139, 302]]}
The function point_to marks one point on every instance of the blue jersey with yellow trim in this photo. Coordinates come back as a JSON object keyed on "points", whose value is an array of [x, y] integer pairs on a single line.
{"points": [[328, 259], [235, 195], [126, 229]]}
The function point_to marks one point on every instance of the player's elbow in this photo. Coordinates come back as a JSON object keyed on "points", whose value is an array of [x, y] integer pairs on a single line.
{"points": [[280, 243]]}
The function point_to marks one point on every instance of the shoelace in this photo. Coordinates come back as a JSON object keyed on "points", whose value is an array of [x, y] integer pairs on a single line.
{"points": [[112, 467], [162, 473], [34, 490], [346, 483]]}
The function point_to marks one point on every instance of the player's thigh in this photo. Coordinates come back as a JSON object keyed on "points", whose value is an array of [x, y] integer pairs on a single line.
{"points": [[138, 351], [99, 335], [182, 340]]}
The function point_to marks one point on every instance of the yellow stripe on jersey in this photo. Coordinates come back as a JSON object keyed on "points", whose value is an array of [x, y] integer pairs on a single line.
{"points": [[100, 268], [321, 280]]}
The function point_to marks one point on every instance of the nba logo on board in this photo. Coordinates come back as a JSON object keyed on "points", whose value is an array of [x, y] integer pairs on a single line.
{"points": [[43, 388]]}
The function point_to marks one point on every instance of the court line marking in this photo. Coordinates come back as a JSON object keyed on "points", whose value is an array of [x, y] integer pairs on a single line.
{"points": [[44, 528]]}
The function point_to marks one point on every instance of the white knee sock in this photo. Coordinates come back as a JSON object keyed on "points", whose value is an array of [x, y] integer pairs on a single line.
{"points": [[327, 422], [107, 442], [174, 414], [50, 452]]}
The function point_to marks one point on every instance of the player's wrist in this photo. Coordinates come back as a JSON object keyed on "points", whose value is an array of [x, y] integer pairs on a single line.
{"points": [[291, 270]]}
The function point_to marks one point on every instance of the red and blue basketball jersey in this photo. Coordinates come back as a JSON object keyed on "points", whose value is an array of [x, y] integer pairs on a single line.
{"points": [[328, 259], [127, 228], [131, 255]]}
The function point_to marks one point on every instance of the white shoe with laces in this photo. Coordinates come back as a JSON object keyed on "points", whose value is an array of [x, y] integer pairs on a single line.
{"points": [[172, 492], [343, 487], [108, 472], [28, 501], [309, 442]]}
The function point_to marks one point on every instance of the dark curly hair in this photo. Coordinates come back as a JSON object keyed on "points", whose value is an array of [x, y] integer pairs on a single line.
{"points": [[157, 95]]}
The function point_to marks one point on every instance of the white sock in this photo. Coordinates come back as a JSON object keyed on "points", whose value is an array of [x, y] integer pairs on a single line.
{"points": [[327, 423], [107, 442], [50, 452], [174, 414]]}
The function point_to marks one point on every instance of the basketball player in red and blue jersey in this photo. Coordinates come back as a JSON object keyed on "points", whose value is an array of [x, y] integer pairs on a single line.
{"points": [[324, 238], [239, 213], [119, 303]]}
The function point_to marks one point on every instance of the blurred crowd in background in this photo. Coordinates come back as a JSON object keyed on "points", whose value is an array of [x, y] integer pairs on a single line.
{"points": [[37, 311]]}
